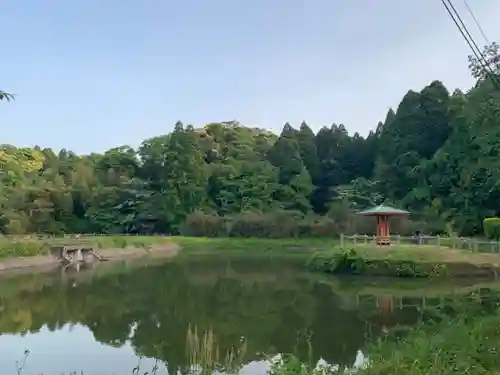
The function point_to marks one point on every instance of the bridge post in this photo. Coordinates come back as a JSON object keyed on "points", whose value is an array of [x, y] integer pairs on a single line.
{"points": [[79, 255]]}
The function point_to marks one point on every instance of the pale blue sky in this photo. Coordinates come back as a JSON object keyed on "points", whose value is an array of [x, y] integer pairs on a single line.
{"points": [[95, 74]]}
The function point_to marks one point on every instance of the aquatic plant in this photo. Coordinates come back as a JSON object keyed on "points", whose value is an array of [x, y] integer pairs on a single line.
{"points": [[204, 357]]}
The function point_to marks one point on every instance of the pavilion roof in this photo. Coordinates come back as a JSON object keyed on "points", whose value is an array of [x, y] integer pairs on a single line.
{"points": [[383, 210]]}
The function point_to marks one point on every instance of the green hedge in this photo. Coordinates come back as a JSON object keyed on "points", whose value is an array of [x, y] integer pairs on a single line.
{"points": [[491, 226]]}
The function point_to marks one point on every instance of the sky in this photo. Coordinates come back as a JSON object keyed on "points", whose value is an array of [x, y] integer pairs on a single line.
{"points": [[95, 74]]}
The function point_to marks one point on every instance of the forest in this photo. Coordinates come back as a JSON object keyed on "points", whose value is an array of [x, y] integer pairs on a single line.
{"points": [[437, 154]]}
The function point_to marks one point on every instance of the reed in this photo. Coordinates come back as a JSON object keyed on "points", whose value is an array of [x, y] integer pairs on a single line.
{"points": [[204, 355]]}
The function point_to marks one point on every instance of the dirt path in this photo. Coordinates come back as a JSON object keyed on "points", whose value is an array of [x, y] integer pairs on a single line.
{"points": [[48, 261]]}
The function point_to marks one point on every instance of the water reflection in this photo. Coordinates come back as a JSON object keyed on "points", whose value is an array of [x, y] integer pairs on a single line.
{"points": [[104, 321]]}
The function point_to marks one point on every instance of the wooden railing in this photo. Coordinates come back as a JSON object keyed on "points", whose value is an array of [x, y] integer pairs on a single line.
{"points": [[472, 244]]}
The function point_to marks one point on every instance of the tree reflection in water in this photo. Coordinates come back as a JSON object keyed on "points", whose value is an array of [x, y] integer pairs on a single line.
{"points": [[175, 311]]}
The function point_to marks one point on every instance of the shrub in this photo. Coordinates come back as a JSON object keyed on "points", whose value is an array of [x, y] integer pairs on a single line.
{"points": [[286, 224], [279, 224], [491, 227], [263, 225], [318, 227], [343, 262], [199, 224], [348, 261]]}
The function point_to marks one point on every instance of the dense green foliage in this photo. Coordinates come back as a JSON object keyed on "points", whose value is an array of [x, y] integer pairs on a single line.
{"points": [[436, 154]]}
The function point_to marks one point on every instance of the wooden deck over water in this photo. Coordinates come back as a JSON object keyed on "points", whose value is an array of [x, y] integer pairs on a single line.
{"points": [[74, 252]]}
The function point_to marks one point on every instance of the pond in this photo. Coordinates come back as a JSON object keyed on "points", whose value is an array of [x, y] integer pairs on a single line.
{"points": [[108, 319]]}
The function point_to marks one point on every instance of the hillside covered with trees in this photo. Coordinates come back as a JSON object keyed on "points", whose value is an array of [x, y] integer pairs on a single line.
{"points": [[436, 154]]}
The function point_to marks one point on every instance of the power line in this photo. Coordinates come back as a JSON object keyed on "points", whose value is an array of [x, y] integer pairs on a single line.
{"points": [[465, 33], [462, 28], [469, 35], [476, 22]]}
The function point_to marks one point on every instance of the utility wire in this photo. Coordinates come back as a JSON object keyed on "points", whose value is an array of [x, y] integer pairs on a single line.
{"points": [[459, 23], [476, 22], [462, 28], [468, 33]]}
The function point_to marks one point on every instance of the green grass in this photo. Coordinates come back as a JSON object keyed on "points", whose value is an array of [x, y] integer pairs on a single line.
{"points": [[426, 253], [28, 246], [241, 246]]}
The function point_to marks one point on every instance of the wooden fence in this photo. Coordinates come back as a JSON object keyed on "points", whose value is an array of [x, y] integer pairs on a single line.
{"points": [[471, 244], [396, 302], [39, 236]]}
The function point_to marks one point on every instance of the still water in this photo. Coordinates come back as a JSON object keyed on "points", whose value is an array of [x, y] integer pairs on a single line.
{"points": [[109, 319]]}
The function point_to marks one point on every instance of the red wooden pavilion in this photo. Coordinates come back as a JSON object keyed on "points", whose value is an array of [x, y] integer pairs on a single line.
{"points": [[383, 213]]}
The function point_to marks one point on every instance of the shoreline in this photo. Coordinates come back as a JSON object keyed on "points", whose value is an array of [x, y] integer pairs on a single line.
{"points": [[378, 261], [48, 262]]}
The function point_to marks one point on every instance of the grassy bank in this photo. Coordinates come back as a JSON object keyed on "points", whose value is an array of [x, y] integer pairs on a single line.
{"points": [[458, 347], [25, 246], [32, 246], [426, 253], [406, 261], [419, 254]]}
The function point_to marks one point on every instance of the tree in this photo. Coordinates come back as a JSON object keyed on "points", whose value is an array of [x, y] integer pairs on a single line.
{"points": [[6, 96], [481, 69], [436, 154], [184, 191]]}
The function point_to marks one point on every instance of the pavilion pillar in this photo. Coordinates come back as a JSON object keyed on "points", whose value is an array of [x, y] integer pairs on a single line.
{"points": [[385, 220], [386, 305], [383, 229]]}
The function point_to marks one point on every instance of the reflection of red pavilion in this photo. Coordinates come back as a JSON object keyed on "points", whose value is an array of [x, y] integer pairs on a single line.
{"points": [[385, 305], [382, 214]]}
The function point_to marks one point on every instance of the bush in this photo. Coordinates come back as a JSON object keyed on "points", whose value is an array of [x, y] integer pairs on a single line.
{"points": [[264, 225], [199, 224], [343, 262], [289, 224], [491, 227], [318, 227], [279, 224]]}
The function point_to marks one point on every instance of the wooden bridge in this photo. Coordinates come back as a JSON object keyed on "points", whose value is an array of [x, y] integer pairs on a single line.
{"points": [[75, 253]]}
